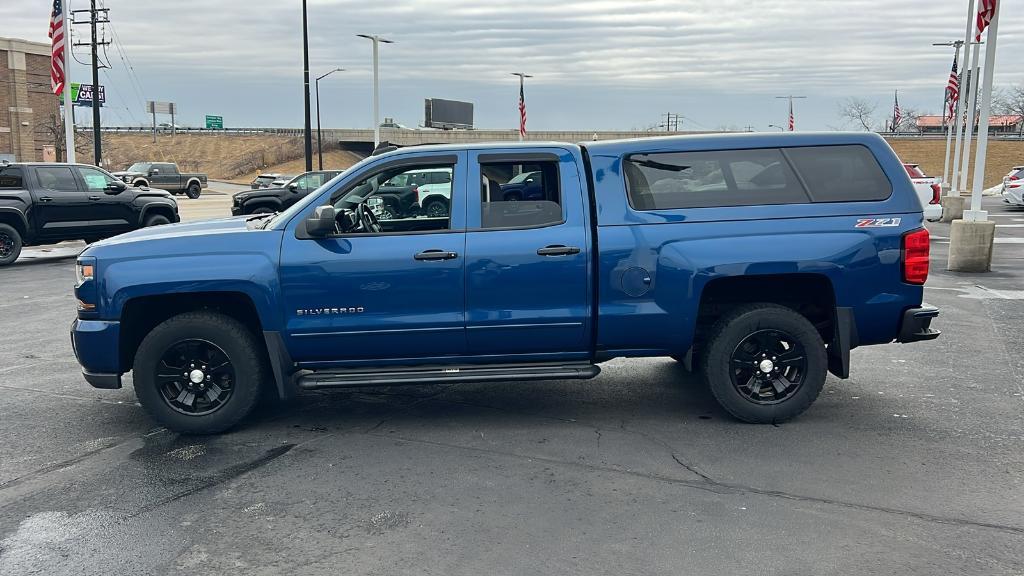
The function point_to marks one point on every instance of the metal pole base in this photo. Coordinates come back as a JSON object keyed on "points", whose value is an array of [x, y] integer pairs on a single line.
{"points": [[952, 208], [970, 245]]}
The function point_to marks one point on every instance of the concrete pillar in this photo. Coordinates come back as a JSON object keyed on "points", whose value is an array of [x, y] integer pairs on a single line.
{"points": [[952, 208], [970, 245]]}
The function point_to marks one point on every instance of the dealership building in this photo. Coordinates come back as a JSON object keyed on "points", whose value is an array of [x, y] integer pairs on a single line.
{"points": [[29, 111]]}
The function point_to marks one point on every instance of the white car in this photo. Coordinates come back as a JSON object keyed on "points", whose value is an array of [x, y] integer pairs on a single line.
{"points": [[434, 191], [929, 190], [1013, 186]]}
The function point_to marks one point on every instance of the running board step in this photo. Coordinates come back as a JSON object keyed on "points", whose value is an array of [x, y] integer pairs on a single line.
{"points": [[439, 374]]}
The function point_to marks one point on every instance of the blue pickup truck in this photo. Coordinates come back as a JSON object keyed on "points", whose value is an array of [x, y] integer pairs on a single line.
{"points": [[760, 260]]}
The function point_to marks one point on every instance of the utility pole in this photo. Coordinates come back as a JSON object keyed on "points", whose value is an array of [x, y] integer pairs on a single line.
{"points": [[671, 122], [308, 130], [792, 117], [96, 16]]}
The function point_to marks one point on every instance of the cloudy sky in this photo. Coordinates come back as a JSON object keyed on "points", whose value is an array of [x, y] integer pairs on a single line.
{"points": [[597, 64]]}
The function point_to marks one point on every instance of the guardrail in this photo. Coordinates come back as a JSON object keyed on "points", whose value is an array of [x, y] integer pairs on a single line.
{"points": [[186, 130]]}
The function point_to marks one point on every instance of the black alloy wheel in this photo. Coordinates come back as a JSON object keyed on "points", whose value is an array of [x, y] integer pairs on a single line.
{"points": [[437, 209], [194, 191], [768, 366], [10, 244], [195, 377]]}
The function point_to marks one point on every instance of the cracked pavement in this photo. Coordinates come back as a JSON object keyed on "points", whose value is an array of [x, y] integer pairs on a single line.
{"points": [[915, 465]]}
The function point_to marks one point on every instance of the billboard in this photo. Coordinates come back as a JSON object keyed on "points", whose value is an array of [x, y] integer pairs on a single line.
{"points": [[81, 95], [447, 114]]}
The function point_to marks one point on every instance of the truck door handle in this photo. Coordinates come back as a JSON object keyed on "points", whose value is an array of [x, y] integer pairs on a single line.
{"points": [[94, 197], [557, 250], [46, 199], [436, 255]]}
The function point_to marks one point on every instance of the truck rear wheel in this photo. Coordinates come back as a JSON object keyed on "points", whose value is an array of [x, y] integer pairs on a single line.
{"points": [[765, 363], [194, 190], [10, 244], [199, 372]]}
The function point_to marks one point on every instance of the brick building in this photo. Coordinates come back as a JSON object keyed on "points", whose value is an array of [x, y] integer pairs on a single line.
{"points": [[29, 112]]}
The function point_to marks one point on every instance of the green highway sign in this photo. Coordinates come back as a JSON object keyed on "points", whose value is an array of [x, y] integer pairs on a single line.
{"points": [[214, 122]]}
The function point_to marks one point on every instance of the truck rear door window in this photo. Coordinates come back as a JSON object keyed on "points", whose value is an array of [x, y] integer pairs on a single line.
{"points": [[10, 177], [519, 195], [672, 180], [841, 173]]}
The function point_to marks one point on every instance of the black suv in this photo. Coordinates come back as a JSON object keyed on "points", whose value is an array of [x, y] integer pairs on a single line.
{"points": [[47, 203], [269, 200]]}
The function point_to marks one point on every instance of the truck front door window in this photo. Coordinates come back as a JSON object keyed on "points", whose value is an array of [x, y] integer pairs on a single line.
{"points": [[403, 200]]}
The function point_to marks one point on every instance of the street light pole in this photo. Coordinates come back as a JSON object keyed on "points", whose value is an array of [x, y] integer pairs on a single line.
{"points": [[319, 146], [776, 126], [377, 40], [308, 131]]}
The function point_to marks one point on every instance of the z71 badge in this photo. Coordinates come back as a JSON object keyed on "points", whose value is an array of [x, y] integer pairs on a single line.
{"points": [[877, 222]]}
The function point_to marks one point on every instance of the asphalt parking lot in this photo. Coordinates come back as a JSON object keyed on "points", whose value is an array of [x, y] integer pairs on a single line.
{"points": [[915, 465]]}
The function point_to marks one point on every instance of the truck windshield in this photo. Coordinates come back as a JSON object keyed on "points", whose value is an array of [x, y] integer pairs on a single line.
{"points": [[142, 167]]}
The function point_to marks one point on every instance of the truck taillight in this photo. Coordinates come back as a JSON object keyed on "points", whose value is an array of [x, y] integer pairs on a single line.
{"points": [[416, 191], [936, 192], [916, 248]]}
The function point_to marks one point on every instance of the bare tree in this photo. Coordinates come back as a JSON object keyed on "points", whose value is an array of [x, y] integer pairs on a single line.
{"points": [[1010, 101], [52, 132], [908, 120], [858, 111]]}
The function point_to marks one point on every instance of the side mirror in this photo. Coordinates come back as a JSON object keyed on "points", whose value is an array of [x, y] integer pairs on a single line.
{"points": [[154, 171], [115, 188], [321, 222], [293, 186]]}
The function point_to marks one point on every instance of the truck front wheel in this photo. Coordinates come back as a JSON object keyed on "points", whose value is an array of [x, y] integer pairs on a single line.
{"points": [[10, 244], [199, 372], [765, 363], [194, 190]]}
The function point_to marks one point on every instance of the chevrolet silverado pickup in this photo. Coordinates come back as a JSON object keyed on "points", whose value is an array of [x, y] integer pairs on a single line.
{"points": [[760, 260]]}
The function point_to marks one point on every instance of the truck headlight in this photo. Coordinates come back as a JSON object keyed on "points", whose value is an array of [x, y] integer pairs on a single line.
{"points": [[85, 270]]}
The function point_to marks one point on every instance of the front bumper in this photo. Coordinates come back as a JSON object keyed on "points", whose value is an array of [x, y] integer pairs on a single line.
{"points": [[96, 346], [932, 212], [916, 324], [236, 210]]}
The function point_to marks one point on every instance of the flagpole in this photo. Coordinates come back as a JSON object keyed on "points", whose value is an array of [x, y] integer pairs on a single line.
{"points": [[976, 213], [69, 115], [949, 124], [972, 111], [954, 190]]}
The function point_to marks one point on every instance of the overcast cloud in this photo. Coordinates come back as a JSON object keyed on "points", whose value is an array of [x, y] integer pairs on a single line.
{"points": [[597, 64]]}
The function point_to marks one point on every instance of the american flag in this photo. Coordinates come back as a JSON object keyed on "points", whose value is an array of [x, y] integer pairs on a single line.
{"points": [[792, 121], [952, 91], [57, 47], [986, 9], [897, 114], [522, 110]]}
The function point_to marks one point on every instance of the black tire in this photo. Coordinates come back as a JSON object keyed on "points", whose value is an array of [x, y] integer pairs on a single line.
{"points": [[738, 388], [194, 190], [92, 240], [262, 210], [247, 363], [513, 197], [10, 244], [436, 209], [155, 220], [140, 184]]}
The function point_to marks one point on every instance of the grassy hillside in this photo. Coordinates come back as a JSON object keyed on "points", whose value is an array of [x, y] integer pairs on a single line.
{"points": [[1002, 155]]}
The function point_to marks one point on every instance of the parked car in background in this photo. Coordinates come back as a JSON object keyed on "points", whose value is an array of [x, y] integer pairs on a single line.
{"points": [[263, 181], [1013, 186], [268, 200], [761, 260], [929, 191], [524, 186], [164, 175], [426, 192], [48, 203]]}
